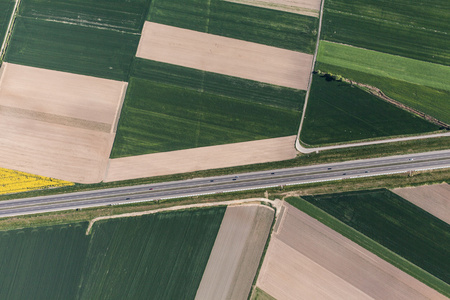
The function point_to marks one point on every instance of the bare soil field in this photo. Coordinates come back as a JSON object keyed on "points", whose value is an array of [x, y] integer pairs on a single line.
{"points": [[308, 260], [203, 158], [301, 7], [237, 251], [434, 199], [57, 124], [224, 55]]}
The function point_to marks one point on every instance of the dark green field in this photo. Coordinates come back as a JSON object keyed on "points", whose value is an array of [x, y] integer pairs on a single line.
{"points": [[158, 117], [71, 48], [6, 8], [396, 224], [244, 89], [123, 15], [42, 263], [429, 100], [159, 256], [414, 29], [259, 25], [338, 112]]}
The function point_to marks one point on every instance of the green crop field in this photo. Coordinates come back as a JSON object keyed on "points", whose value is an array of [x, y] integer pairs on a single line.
{"points": [[370, 244], [259, 25], [43, 262], [160, 256], [123, 15], [386, 65], [407, 28], [159, 117], [219, 84], [338, 112], [6, 8], [423, 98], [71, 48], [418, 84], [395, 223]]}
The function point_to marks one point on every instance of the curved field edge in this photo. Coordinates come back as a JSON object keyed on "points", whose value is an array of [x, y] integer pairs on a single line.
{"points": [[338, 112], [420, 85], [369, 244]]}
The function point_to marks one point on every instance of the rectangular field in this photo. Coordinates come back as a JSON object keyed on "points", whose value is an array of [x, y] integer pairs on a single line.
{"points": [[158, 118], [121, 15], [203, 158], [72, 48], [308, 260], [434, 199], [253, 24], [412, 29], [395, 223], [229, 86], [339, 112], [230, 271], [223, 55], [57, 124]]}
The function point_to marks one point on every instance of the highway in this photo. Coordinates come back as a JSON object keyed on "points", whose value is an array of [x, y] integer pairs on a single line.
{"points": [[227, 183]]}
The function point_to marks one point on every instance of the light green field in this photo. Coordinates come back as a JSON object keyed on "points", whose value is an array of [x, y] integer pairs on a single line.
{"points": [[383, 64]]}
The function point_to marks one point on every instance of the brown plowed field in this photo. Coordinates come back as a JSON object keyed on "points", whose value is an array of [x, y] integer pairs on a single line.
{"points": [[301, 7], [434, 199], [237, 251], [57, 124], [203, 158], [224, 55], [322, 264]]}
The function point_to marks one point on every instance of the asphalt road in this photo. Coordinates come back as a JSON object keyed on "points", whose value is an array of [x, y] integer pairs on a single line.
{"points": [[228, 183]]}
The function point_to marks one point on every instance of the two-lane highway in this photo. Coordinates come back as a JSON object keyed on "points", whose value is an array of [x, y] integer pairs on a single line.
{"points": [[227, 183]]}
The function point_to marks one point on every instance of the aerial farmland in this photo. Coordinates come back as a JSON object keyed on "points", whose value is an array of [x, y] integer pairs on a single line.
{"points": [[128, 129]]}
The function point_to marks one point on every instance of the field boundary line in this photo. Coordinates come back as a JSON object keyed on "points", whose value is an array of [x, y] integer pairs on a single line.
{"points": [[9, 30], [174, 208], [123, 93], [310, 76]]}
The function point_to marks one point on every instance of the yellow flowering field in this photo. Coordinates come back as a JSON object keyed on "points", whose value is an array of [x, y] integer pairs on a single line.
{"points": [[15, 182]]}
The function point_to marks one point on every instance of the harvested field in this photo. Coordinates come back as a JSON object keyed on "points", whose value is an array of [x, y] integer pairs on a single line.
{"points": [[308, 260], [203, 158], [57, 124], [302, 7], [236, 253], [225, 55], [434, 199]]}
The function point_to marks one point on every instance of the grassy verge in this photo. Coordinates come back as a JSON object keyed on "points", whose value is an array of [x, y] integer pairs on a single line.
{"points": [[390, 181], [339, 112], [259, 294], [337, 155], [370, 245]]}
